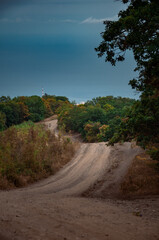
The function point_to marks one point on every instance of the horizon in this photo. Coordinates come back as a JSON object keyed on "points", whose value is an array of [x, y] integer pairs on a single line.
{"points": [[70, 100]]}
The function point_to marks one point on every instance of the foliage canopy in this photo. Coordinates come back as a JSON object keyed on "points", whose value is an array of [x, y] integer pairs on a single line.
{"points": [[136, 29]]}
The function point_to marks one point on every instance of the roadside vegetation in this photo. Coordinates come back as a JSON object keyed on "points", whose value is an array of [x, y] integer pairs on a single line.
{"points": [[96, 120], [19, 109], [29, 152], [142, 178]]}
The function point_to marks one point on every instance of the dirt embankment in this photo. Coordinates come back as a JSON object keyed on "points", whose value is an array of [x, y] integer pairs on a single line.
{"points": [[53, 209]]}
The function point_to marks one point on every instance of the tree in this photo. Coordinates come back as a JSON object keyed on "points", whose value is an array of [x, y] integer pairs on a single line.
{"points": [[36, 108], [15, 112], [91, 130], [136, 29], [107, 107]]}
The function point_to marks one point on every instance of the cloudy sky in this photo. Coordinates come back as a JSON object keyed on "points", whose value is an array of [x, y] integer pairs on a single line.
{"points": [[50, 44]]}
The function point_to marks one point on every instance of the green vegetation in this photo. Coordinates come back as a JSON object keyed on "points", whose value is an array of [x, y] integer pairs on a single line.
{"points": [[96, 120], [137, 29], [19, 109], [28, 152]]}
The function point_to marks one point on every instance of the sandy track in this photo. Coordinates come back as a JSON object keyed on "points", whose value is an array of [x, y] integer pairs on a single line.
{"points": [[51, 124], [53, 209], [89, 163], [92, 163]]}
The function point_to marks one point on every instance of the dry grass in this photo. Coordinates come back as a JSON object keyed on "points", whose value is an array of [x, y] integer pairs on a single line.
{"points": [[29, 153], [142, 178]]}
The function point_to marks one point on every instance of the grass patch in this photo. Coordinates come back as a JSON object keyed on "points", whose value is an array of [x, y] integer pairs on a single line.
{"points": [[28, 153], [142, 177]]}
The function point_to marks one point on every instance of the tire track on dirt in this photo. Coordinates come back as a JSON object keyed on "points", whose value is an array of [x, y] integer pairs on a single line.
{"points": [[78, 175], [51, 210], [92, 171]]}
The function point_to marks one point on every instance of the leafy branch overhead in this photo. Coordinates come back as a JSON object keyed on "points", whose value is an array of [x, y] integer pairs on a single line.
{"points": [[136, 29]]}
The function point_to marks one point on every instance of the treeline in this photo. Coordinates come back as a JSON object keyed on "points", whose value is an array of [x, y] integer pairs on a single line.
{"points": [[19, 109], [96, 120], [115, 120]]}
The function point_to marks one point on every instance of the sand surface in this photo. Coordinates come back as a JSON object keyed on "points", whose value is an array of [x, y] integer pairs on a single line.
{"points": [[54, 209]]}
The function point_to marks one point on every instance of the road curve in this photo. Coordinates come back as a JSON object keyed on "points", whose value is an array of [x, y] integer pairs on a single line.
{"points": [[52, 209], [92, 163], [77, 176]]}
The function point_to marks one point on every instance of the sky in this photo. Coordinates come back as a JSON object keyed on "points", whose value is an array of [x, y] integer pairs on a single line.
{"points": [[50, 44]]}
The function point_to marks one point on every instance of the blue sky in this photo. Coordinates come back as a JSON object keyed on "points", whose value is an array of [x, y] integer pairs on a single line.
{"points": [[50, 44]]}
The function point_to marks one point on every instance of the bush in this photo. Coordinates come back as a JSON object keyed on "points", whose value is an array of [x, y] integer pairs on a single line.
{"points": [[102, 135], [28, 152], [91, 131]]}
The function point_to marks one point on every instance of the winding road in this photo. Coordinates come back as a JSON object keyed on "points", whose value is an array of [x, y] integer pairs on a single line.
{"points": [[54, 209]]}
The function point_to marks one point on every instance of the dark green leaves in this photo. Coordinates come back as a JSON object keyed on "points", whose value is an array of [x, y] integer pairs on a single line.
{"points": [[137, 29]]}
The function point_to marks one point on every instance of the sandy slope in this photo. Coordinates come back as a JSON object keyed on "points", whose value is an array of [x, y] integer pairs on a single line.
{"points": [[54, 209]]}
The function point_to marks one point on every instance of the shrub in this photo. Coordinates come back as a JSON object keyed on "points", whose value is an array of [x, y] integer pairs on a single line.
{"points": [[102, 135], [28, 152], [91, 131]]}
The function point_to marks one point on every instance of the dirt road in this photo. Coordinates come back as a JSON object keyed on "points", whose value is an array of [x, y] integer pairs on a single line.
{"points": [[53, 209]]}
